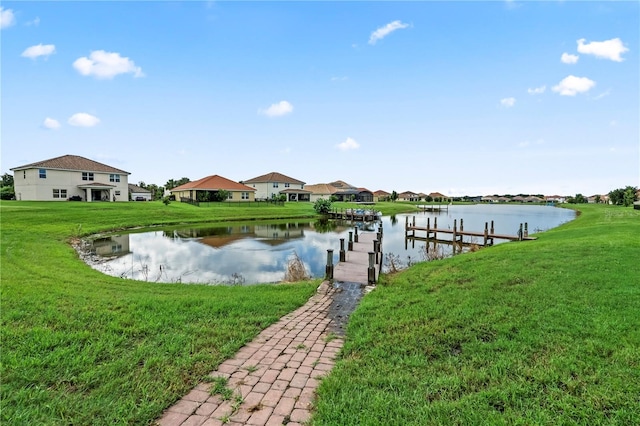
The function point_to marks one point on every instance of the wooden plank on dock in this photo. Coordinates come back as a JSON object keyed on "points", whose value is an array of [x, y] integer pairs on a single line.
{"points": [[465, 233], [356, 266]]}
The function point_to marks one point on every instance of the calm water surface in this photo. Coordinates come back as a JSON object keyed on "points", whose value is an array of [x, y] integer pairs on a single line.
{"points": [[259, 252]]}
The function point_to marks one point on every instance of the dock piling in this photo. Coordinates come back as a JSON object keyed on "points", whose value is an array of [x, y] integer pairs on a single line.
{"points": [[371, 271], [328, 272], [343, 257], [355, 235], [350, 245]]}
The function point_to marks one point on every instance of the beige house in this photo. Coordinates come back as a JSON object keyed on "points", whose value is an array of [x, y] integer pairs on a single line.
{"points": [[381, 195], [275, 184], [70, 177], [408, 196], [341, 191], [206, 189]]}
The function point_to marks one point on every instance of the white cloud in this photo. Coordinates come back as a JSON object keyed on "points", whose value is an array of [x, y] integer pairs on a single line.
{"points": [[7, 18], [348, 144], [608, 49], [602, 95], [613, 123], [34, 52], [101, 64], [572, 85], [277, 110], [35, 22], [82, 119], [382, 32], [568, 58], [537, 90], [50, 123], [508, 102]]}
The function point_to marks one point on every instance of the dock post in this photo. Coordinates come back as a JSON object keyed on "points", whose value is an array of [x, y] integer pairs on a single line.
{"points": [[375, 249], [461, 225], [435, 223], [455, 225], [350, 246], [520, 233], [406, 223], [414, 227], [526, 229], [486, 233], [328, 272], [371, 271], [343, 257], [355, 235], [491, 231]]}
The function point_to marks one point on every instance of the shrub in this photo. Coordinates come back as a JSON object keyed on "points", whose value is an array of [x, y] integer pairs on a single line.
{"points": [[322, 206]]}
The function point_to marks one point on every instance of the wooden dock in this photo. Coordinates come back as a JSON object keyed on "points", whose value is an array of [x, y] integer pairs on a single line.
{"points": [[457, 235], [360, 262], [360, 215], [434, 208]]}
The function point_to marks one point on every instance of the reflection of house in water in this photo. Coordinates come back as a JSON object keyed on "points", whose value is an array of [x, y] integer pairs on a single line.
{"points": [[113, 246], [273, 234], [279, 233]]}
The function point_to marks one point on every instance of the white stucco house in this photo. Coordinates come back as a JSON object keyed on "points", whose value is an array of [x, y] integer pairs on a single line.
{"points": [[61, 178], [276, 184]]}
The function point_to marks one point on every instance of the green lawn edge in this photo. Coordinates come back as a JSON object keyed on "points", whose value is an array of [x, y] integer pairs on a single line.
{"points": [[541, 332]]}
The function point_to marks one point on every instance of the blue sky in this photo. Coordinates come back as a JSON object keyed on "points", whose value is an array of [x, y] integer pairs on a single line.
{"points": [[463, 98]]}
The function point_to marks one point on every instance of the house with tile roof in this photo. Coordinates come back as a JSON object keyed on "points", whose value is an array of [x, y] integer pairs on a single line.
{"points": [[408, 196], [274, 184], [381, 195], [207, 188], [67, 176], [341, 191]]}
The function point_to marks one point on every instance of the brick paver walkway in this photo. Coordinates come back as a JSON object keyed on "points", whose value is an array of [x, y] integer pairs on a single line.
{"points": [[274, 378]]}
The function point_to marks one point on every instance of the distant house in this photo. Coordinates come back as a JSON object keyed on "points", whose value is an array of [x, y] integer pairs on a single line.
{"points": [[341, 191], [408, 196], [555, 199], [274, 184], [70, 177], [208, 187], [438, 196], [381, 195], [137, 193]]}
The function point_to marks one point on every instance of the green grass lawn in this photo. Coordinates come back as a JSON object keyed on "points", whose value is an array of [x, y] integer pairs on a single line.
{"points": [[83, 348], [542, 332], [545, 332]]}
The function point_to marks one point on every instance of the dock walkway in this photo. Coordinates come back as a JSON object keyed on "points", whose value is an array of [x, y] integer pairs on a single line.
{"points": [[274, 378]]}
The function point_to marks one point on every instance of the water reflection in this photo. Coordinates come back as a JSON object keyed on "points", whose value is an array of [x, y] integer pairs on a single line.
{"points": [[259, 252]]}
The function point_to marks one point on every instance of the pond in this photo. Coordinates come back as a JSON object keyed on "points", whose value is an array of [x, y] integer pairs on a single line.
{"points": [[260, 252]]}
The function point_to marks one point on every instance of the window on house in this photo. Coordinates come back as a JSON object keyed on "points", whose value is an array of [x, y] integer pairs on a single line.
{"points": [[117, 192], [230, 196], [87, 176], [114, 178], [245, 195], [286, 185], [275, 184], [59, 193], [24, 174], [42, 173]]}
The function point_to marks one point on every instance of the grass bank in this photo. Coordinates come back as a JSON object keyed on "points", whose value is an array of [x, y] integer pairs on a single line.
{"points": [[542, 332], [79, 347]]}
